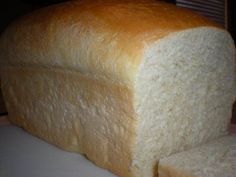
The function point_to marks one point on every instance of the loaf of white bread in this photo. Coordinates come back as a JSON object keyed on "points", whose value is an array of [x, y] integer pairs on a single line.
{"points": [[124, 83], [215, 159]]}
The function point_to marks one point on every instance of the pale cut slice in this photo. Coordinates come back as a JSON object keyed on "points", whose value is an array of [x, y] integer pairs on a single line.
{"points": [[215, 159]]}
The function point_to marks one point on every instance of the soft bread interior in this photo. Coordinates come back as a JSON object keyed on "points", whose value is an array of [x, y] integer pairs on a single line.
{"points": [[214, 159], [184, 93]]}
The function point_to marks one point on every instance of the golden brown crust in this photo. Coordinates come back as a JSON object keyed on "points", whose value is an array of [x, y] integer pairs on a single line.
{"points": [[60, 114], [60, 35]]}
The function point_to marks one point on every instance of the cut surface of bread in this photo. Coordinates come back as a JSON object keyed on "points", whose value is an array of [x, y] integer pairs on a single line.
{"points": [[124, 89], [214, 159], [184, 101]]}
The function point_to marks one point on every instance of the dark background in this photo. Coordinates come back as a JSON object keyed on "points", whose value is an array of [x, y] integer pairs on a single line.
{"points": [[232, 18], [11, 9], [232, 30]]}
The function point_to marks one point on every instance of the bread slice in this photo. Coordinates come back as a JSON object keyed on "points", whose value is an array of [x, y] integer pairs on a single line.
{"points": [[123, 83], [214, 159]]}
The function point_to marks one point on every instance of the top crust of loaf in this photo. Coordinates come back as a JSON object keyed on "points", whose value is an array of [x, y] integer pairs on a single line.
{"points": [[103, 40]]}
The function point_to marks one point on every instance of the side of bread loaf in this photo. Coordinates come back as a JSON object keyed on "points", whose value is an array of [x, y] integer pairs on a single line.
{"points": [[73, 112], [216, 158], [123, 83]]}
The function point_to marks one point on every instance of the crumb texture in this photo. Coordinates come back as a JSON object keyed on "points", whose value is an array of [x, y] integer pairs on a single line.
{"points": [[217, 158], [184, 94]]}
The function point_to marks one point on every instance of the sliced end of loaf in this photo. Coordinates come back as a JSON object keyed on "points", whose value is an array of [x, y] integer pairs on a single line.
{"points": [[217, 158], [184, 94]]}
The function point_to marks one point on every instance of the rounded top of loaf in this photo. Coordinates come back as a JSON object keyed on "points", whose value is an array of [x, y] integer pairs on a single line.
{"points": [[100, 39]]}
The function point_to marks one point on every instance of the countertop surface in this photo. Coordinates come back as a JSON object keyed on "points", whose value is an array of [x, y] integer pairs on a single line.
{"points": [[23, 155]]}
